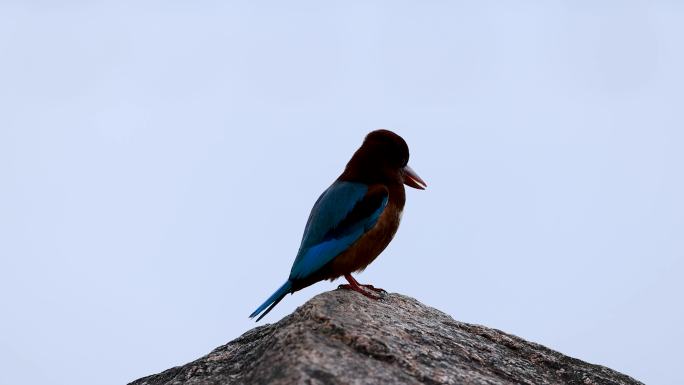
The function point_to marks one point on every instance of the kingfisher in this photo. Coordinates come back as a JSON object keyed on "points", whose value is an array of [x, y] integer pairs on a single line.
{"points": [[354, 219]]}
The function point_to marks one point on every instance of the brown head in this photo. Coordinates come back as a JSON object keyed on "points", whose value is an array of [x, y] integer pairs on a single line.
{"points": [[382, 158]]}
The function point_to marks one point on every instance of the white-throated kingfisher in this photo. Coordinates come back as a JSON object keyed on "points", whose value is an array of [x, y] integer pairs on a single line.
{"points": [[353, 221]]}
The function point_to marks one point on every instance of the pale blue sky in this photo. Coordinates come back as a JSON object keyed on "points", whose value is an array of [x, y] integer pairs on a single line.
{"points": [[158, 161]]}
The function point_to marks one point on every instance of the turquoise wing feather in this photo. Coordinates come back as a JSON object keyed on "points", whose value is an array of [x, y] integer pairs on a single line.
{"points": [[341, 215]]}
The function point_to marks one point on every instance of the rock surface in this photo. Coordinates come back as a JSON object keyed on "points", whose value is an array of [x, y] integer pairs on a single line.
{"points": [[340, 337]]}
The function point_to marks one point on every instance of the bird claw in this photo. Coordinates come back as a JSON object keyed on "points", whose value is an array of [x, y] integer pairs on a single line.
{"points": [[375, 289], [359, 290]]}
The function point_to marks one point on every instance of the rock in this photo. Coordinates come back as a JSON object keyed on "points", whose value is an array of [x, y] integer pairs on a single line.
{"points": [[341, 337]]}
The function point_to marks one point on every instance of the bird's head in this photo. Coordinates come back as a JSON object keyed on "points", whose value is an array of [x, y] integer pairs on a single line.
{"points": [[384, 155]]}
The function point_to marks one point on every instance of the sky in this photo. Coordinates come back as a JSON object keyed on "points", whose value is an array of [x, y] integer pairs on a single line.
{"points": [[158, 161]]}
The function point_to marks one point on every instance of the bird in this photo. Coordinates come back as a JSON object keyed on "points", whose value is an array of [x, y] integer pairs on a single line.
{"points": [[354, 219]]}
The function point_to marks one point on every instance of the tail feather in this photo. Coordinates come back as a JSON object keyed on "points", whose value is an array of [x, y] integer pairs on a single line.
{"points": [[272, 301]]}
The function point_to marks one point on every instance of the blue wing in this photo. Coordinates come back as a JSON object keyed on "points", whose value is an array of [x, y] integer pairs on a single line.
{"points": [[341, 215]]}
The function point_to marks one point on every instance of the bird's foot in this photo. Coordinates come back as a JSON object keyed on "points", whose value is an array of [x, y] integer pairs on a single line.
{"points": [[360, 290], [375, 289], [356, 286]]}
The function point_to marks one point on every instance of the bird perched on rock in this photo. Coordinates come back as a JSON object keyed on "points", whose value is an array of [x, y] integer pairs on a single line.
{"points": [[354, 219]]}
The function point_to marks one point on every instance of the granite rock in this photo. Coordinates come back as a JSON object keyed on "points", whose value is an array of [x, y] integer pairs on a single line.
{"points": [[340, 337]]}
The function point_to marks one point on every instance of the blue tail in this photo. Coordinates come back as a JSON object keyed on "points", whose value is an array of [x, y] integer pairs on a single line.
{"points": [[272, 300]]}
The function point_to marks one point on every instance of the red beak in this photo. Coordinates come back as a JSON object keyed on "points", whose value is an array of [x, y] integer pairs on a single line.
{"points": [[412, 179]]}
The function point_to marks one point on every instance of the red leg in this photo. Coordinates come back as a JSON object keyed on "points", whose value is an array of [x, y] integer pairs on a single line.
{"points": [[351, 279], [353, 285]]}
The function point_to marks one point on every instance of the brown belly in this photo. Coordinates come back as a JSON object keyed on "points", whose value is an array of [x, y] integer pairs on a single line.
{"points": [[367, 248]]}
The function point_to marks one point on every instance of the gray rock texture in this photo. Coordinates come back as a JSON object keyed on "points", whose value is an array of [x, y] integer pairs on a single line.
{"points": [[341, 337]]}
